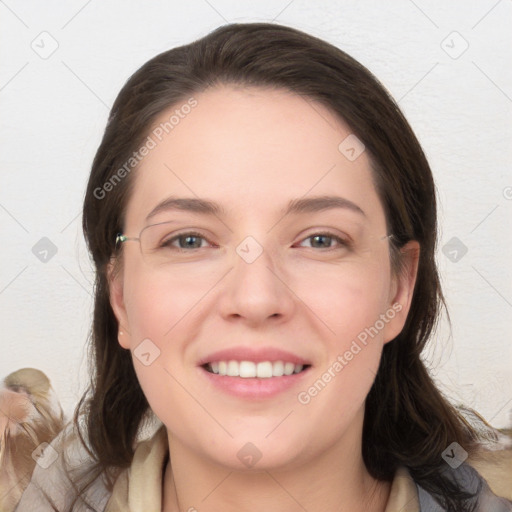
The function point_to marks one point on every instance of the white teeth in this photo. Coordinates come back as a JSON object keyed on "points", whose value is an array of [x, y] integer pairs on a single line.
{"points": [[264, 370], [278, 369], [288, 368], [249, 369], [232, 369]]}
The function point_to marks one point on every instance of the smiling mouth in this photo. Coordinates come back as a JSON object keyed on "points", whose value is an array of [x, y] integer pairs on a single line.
{"points": [[250, 369]]}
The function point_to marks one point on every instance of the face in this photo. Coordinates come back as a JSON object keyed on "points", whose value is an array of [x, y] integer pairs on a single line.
{"points": [[282, 279]]}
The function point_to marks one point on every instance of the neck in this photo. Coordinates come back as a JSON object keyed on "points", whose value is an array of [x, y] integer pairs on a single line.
{"points": [[335, 480]]}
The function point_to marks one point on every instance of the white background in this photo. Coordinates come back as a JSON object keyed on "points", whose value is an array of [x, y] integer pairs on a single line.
{"points": [[53, 112]]}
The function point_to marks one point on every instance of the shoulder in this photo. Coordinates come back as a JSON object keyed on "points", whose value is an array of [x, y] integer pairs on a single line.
{"points": [[60, 470], [495, 467], [487, 474]]}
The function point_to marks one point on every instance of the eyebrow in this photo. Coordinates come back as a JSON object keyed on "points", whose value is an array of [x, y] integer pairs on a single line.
{"points": [[295, 206], [187, 204], [320, 203]]}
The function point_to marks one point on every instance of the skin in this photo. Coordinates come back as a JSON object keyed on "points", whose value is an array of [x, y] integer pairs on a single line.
{"points": [[253, 150]]}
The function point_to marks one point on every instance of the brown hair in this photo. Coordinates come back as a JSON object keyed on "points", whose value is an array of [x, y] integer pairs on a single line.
{"points": [[407, 419]]}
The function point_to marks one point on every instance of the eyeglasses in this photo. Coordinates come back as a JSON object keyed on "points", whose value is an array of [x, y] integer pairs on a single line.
{"points": [[162, 244]]}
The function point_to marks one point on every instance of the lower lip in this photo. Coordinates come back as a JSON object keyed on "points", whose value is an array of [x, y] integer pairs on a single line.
{"points": [[254, 388]]}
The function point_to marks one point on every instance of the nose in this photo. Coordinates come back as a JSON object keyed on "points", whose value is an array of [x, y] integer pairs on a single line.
{"points": [[256, 291]]}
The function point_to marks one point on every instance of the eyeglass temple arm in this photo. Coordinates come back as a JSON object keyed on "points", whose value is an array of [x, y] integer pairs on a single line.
{"points": [[123, 238]]}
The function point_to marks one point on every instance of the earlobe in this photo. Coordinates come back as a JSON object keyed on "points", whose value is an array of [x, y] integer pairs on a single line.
{"points": [[403, 289], [116, 297]]}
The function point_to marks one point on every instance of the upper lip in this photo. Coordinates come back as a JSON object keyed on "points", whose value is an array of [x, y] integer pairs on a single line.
{"points": [[259, 355]]}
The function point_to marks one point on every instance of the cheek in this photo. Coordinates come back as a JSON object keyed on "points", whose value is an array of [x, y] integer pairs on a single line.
{"points": [[162, 315], [352, 303], [157, 303], [347, 298], [340, 384]]}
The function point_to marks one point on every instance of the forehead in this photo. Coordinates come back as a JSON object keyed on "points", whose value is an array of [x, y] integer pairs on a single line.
{"points": [[247, 148]]}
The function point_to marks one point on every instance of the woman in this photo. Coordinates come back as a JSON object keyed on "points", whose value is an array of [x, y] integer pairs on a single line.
{"points": [[263, 224]]}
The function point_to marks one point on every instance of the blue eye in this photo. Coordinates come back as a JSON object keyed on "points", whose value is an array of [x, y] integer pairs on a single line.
{"points": [[185, 241], [323, 241]]}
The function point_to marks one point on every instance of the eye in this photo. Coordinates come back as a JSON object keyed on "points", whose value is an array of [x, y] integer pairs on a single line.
{"points": [[185, 241], [324, 241]]}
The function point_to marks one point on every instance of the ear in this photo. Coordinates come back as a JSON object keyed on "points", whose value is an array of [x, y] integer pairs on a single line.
{"points": [[116, 296], [402, 289]]}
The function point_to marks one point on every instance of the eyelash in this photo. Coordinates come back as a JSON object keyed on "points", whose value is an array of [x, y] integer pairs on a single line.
{"points": [[342, 242]]}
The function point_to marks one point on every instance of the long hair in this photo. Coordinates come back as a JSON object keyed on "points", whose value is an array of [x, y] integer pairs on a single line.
{"points": [[407, 419]]}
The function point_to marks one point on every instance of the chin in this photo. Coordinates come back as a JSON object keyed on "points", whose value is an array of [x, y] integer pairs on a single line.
{"points": [[252, 452]]}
